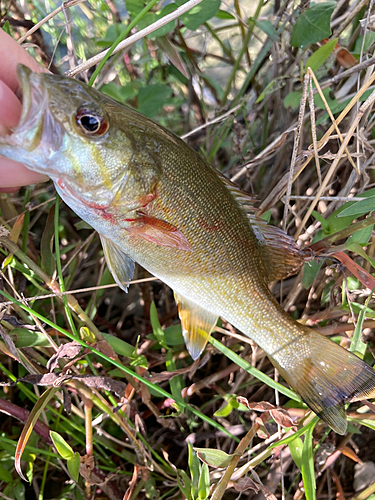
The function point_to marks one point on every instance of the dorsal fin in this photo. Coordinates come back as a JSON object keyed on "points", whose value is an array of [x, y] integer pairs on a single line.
{"points": [[284, 258]]}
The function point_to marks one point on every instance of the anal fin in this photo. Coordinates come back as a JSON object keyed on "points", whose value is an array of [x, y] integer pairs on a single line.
{"points": [[197, 324], [119, 263]]}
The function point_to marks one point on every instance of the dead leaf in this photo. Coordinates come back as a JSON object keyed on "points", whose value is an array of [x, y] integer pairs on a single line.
{"points": [[104, 347], [57, 379], [262, 431], [364, 277], [68, 351], [262, 406], [132, 482], [245, 483], [281, 417], [345, 58], [348, 452]]}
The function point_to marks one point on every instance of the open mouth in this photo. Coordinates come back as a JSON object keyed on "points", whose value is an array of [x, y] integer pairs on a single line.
{"points": [[33, 98]]}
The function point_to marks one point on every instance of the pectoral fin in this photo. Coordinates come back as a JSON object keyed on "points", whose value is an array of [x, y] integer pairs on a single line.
{"points": [[120, 264], [197, 324], [158, 231]]}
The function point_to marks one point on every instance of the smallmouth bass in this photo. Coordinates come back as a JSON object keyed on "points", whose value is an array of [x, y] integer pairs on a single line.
{"points": [[154, 200]]}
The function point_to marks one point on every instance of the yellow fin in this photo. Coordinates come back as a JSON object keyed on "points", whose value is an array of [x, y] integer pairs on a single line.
{"points": [[119, 263], [197, 324], [326, 376], [283, 257]]}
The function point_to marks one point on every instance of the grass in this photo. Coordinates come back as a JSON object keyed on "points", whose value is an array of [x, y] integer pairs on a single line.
{"points": [[237, 64]]}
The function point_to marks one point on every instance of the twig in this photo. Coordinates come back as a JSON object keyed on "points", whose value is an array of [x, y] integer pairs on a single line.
{"points": [[63, 6], [241, 448]]}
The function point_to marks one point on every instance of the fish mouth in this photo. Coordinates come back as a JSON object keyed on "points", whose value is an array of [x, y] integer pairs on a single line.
{"points": [[34, 101], [39, 134]]}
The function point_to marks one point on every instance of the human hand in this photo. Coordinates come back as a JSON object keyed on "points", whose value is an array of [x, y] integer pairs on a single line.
{"points": [[13, 174]]}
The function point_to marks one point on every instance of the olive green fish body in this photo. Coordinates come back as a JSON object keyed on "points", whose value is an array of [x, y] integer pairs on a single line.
{"points": [[154, 201]]}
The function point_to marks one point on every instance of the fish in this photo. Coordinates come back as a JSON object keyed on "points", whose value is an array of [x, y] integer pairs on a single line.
{"points": [[153, 200]]}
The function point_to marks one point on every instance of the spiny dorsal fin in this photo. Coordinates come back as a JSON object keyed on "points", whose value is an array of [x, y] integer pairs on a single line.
{"points": [[283, 255], [119, 263], [197, 324]]}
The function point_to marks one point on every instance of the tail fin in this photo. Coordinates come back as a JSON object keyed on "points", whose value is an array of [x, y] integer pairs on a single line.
{"points": [[327, 376]]}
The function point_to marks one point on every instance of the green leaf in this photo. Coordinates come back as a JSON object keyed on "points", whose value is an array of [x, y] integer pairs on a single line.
{"points": [[292, 100], [15, 490], [7, 261], [152, 98], [322, 220], [134, 7], [222, 14], [307, 465], [268, 28], [6, 27], [5, 475], [73, 466], [26, 338], [63, 448], [356, 345], [184, 483], [146, 20], [121, 94], [320, 56], [213, 457], [310, 270], [358, 208], [231, 403], [362, 236], [313, 25], [204, 483], [194, 466], [370, 38], [332, 102], [112, 33], [224, 411], [273, 86], [295, 447], [119, 346], [167, 27], [172, 334], [199, 14], [175, 383], [354, 246], [297, 434], [156, 327], [39, 406]]}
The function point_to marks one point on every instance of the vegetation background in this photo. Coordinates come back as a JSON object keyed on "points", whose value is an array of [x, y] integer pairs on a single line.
{"points": [[229, 77]]}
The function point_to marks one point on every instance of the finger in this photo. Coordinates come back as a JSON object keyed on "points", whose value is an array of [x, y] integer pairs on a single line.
{"points": [[13, 54], [14, 174], [10, 109]]}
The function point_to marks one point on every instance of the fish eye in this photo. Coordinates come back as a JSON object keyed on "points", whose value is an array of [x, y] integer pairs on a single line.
{"points": [[92, 123]]}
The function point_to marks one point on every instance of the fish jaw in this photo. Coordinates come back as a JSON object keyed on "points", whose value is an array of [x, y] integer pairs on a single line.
{"points": [[38, 136]]}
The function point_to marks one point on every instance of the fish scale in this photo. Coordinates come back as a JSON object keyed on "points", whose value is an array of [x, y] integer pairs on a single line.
{"points": [[155, 201]]}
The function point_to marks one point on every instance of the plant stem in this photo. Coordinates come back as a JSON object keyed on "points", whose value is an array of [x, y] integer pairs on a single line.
{"points": [[241, 448], [245, 43]]}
